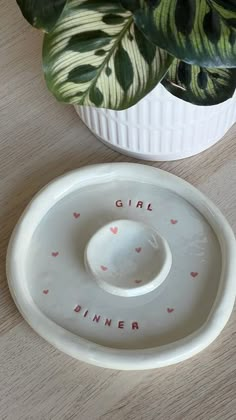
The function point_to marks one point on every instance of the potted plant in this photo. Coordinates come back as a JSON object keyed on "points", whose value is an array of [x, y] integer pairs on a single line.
{"points": [[152, 78]]}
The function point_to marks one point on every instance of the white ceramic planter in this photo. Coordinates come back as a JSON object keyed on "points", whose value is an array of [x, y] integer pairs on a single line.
{"points": [[161, 126]]}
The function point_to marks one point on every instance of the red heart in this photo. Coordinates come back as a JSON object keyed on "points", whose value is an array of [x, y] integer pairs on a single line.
{"points": [[174, 221], [138, 281], [194, 274], [104, 268], [76, 215], [45, 291], [55, 254], [169, 310], [114, 230], [138, 250]]}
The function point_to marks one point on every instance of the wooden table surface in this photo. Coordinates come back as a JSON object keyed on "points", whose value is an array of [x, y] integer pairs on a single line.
{"points": [[41, 139]]}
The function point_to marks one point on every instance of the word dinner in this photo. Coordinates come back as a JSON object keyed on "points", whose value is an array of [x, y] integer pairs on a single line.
{"points": [[108, 322]]}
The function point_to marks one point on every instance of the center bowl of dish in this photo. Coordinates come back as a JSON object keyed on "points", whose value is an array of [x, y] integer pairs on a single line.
{"points": [[128, 258]]}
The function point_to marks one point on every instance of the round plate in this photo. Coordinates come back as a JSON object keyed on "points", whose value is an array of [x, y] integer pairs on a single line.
{"points": [[123, 266]]}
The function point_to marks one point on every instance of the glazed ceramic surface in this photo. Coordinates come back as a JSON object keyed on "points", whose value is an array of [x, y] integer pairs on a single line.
{"points": [[123, 266], [128, 269]]}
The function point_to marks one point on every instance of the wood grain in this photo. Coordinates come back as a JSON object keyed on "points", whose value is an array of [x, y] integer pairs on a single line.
{"points": [[41, 139]]}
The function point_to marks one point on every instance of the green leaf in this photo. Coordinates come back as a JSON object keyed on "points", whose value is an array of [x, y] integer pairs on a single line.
{"points": [[97, 56], [199, 85], [42, 14], [199, 32]]}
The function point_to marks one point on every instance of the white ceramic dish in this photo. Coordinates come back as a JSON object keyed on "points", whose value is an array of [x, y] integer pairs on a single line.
{"points": [[123, 266]]}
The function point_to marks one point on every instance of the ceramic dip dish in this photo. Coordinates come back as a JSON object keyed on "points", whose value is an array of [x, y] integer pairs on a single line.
{"points": [[123, 266]]}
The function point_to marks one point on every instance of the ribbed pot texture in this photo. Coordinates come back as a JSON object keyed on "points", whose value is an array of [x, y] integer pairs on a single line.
{"points": [[161, 126]]}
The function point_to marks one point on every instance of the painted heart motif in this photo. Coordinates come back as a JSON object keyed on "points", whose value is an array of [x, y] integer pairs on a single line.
{"points": [[169, 310], [173, 221], [45, 291], [55, 254], [194, 274], [114, 230], [103, 268], [76, 215], [138, 281], [138, 250]]}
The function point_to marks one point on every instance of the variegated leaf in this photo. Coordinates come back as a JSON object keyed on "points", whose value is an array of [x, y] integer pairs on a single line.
{"points": [[199, 85], [199, 32], [42, 14], [97, 56]]}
